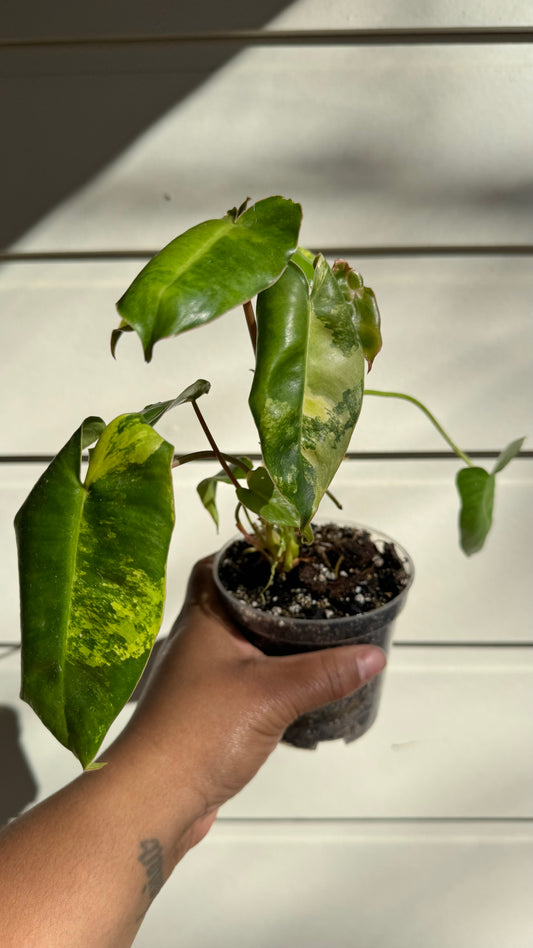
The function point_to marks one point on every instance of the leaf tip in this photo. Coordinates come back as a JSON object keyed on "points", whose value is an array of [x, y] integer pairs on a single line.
{"points": [[115, 336], [95, 765]]}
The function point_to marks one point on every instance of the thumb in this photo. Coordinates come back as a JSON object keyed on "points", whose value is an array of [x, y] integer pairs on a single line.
{"points": [[302, 683]]}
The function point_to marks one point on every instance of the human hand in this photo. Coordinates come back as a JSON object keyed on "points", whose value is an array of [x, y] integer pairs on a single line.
{"points": [[217, 707], [212, 711]]}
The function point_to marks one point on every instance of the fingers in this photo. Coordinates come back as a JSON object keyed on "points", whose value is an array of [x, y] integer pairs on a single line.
{"points": [[206, 651], [202, 595], [302, 683], [202, 602], [216, 707], [296, 684], [200, 587]]}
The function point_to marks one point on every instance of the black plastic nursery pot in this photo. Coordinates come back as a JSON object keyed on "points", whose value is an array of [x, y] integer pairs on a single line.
{"points": [[286, 634]]}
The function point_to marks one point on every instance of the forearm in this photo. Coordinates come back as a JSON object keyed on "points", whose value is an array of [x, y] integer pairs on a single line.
{"points": [[82, 868]]}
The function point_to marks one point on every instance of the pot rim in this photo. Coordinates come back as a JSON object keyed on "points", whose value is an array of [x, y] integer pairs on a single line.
{"points": [[300, 622]]}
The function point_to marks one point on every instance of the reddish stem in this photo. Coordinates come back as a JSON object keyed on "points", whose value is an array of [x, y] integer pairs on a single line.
{"points": [[251, 323], [212, 442]]}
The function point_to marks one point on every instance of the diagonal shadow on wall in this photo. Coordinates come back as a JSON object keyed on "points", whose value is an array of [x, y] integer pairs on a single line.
{"points": [[68, 111], [17, 786]]}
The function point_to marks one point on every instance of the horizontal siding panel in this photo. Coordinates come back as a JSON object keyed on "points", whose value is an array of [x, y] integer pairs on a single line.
{"points": [[481, 599], [381, 145], [457, 333], [447, 715], [454, 598], [339, 885], [121, 18], [388, 14], [450, 742], [118, 21]]}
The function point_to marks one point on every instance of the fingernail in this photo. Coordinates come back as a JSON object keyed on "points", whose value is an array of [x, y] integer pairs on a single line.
{"points": [[370, 661]]}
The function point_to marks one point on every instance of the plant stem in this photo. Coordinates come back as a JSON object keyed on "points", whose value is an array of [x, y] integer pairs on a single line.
{"points": [[428, 414], [212, 442], [251, 323], [334, 500]]}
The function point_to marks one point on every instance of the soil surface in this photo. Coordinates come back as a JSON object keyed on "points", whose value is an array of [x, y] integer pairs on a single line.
{"points": [[342, 573]]}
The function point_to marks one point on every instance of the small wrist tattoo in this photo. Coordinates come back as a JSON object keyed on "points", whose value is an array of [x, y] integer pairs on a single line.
{"points": [[151, 857]]}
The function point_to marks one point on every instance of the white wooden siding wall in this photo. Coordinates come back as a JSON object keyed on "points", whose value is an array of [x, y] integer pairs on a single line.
{"points": [[419, 834]]}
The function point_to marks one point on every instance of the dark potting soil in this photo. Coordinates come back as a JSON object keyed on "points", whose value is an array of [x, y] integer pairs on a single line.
{"points": [[343, 572]]}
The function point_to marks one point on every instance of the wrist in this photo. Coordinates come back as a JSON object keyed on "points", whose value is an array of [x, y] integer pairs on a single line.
{"points": [[157, 790]]}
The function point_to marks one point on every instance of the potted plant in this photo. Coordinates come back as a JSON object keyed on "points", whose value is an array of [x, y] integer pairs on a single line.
{"points": [[92, 554]]}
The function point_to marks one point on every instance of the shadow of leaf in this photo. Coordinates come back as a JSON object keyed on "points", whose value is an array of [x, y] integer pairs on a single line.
{"points": [[18, 787]]}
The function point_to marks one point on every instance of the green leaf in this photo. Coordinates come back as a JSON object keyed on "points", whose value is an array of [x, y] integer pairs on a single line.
{"points": [[348, 279], [365, 308], [210, 269], [117, 333], [308, 384], [92, 561], [476, 490], [207, 489], [508, 454], [153, 413], [305, 260], [91, 430], [368, 323], [263, 498]]}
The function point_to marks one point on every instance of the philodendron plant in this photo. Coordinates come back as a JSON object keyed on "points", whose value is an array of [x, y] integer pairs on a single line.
{"points": [[93, 553]]}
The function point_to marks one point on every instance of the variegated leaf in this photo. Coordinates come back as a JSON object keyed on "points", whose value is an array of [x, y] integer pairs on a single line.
{"points": [[308, 384], [92, 560], [366, 315]]}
